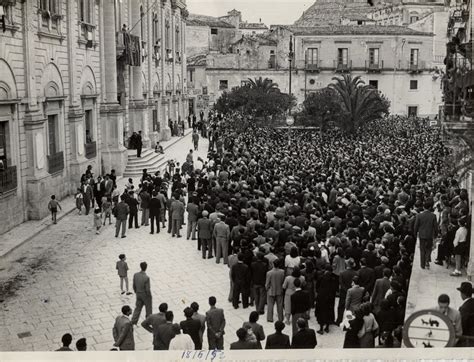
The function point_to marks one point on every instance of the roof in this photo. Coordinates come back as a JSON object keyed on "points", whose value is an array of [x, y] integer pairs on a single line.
{"points": [[205, 20], [245, 25], [261, 39], [197, 60], [355, 30]]}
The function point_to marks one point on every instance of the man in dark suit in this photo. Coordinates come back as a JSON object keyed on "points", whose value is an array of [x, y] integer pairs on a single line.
{"points": [[153, 321], [380, 289], [165, 333], [467, 314], [278, 340], [215, 325], [274, 287], [426, 229], [355, 295], [155, 209], [192, 327], [204, 228], [366, 276], [305, 338], [300, 304], [139, 143], [259, 274], [345, 283], [240, 275], [242, 343]]}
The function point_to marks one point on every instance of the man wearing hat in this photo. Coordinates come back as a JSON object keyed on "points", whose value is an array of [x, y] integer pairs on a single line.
{"points": [[204, 229], [467, 314]]}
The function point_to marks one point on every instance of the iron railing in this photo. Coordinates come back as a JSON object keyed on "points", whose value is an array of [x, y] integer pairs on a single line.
{"points": [[91, 149], [56, 162]]}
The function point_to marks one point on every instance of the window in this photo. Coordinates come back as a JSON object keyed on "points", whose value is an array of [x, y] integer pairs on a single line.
{"points": [[204, 91], [89, 126], [413, 19], [374, 84], [342, 56], [213, 31], [4, 143], [50, 5], [359, 22], [191, 75], [53, 134], [412, 111], [86, 11], [223, 84], [156, 123], [156, 29], [272, 52], [50, 14], [413, 56], [312, 56], [413, 84], [373, 56], [177, 42]]}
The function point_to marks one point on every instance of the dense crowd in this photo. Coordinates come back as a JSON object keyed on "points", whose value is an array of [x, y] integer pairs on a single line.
{"points": [[326, 218]]}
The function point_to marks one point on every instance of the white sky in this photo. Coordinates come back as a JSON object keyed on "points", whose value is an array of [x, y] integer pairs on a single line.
{"points": [[270, 11]]}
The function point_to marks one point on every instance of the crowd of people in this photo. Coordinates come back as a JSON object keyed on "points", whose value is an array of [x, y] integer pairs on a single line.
{"points": [[327, 224]]}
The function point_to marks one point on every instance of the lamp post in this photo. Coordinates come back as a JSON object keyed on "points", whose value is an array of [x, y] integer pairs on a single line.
{"points": [[289, 122]]}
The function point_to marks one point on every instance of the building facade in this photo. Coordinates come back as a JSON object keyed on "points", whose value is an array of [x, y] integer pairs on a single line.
{"points": [[77, 77], [395, 60]]}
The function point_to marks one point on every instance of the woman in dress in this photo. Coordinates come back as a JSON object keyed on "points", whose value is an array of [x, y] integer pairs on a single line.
{"points": [[326, 287], [351, 339], [369, 329], [289, 287], [292, 260]]}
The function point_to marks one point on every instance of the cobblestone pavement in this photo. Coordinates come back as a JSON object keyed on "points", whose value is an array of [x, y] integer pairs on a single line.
{"points": [[65, 281]]}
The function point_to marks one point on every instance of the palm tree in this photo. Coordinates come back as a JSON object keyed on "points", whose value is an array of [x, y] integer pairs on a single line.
{"points": [[360, 102], [267, 85]]}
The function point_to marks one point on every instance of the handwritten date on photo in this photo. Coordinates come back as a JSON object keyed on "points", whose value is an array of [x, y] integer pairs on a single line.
{"points": [[203, 355]]}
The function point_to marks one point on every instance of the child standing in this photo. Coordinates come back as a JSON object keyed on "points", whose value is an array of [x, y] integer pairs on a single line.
{"points": [[122, 269], [53, 206], [79, 200], [97, 219], [107, 209]]}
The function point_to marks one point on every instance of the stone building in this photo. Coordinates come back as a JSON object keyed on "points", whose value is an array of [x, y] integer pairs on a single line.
{"points": [[76, 78]]}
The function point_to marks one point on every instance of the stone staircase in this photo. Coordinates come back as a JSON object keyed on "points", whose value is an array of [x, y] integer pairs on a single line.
{"points": [[149, 159]]}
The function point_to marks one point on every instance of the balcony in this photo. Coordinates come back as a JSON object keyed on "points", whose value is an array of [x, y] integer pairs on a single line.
{"points": [[55, 162], [314, 66], [91, 150], [341, 67], [417, 67], [8, 180], [373, 67]]}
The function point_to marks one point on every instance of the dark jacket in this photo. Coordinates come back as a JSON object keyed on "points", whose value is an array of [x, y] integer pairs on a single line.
{"points": [[243, 345], [277, 341], [426, 225], [300, 302], [304, 338], [240, 274], [155, 206], [164, 336], [259, 272], [367, 278], [192, 327], [467, 321]]}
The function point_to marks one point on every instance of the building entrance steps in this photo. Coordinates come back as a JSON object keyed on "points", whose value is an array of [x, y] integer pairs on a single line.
{"points": [[24, 232]]}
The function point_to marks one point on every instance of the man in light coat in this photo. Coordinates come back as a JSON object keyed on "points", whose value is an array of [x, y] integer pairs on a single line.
{"points": [[141, 287], [274, 287], [193, 212], [221, 234], [177, 211]]}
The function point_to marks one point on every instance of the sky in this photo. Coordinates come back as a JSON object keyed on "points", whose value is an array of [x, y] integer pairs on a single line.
{"points": [[270, 11]]}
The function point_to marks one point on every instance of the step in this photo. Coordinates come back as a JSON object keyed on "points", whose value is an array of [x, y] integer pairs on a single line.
{"points": [[145, 156], [152, 161]]}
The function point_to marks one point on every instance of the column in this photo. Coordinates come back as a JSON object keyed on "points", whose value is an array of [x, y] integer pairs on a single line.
{"points": [[110, 52], [470, 190]]}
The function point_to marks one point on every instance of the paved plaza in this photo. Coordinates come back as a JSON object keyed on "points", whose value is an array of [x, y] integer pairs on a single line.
{"points": [[66, 282]]}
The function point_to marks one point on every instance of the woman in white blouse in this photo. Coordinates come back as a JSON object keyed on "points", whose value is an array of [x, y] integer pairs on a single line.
{"points": [[460, 246]]}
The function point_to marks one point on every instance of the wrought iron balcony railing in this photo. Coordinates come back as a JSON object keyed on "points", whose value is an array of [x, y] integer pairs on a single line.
{"points": [[91, 149], [56, 162]]}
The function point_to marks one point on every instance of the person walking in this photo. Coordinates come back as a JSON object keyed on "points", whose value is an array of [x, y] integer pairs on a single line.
{"points": [[53, 206], [141, 287], [153, 321], [426, 229], [195, 140], [121, 211], [215, 321], [278, 340], [123, 331], [155, 212], [274, 286], [221, 234], [204, 229], [122, 270]]}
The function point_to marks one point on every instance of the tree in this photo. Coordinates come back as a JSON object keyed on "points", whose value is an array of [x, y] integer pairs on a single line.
{"points": [[260, 98], [360, 103], [320, 107]]}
